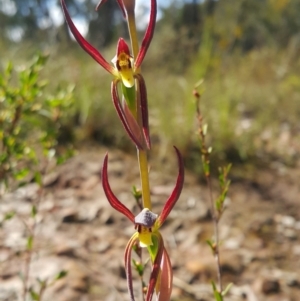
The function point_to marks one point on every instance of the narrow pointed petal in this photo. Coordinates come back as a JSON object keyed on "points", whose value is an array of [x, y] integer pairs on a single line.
{"points": [[175, 194], [155, 268], [135, 137], [166, 278], [120, 2], [144, 109], [127, 258], [148, 35], [92, 51], [114, 202]]}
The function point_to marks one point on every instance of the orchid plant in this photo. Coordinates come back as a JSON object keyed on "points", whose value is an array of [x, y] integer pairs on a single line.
{"points": [[132, 110]]}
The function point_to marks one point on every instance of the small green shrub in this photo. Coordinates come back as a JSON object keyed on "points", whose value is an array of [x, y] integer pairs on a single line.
{"points": [[30, 121]]}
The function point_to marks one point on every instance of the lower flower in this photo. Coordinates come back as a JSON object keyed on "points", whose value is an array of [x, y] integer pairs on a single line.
{"points": [[148, 224]]}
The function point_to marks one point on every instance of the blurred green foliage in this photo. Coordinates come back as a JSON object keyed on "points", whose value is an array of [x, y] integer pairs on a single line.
{"points": [[246, 53], [30, 120]]}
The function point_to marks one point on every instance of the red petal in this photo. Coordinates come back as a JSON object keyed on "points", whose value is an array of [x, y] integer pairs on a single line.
{"points": [[93, 52], [144, 109], [148, 35], [114, 202], [176, 192], [127, 258], [132, 123], [122, 47], [166, 278], [134, 136], [155, 269], [120, 2]]}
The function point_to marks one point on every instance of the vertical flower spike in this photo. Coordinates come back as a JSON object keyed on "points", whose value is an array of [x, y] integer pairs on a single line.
{"points": [[175, 194], [148, 35], [93, 52], [114, 202]]}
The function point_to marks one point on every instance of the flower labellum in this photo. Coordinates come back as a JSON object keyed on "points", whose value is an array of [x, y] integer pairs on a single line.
{"points": [[123, 63], [144, 222], [145, 218]]}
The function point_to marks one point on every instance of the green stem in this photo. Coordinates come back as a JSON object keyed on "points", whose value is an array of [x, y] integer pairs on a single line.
{"points": [[142, 154], [143, 164], [133, 33]]}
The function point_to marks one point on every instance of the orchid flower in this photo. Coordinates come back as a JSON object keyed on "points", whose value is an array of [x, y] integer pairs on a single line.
{"points": [[125, 69], [147, 225]]}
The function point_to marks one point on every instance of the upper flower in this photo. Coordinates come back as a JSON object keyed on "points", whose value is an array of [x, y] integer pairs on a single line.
{"points": [[124, 65], [133, 113]]}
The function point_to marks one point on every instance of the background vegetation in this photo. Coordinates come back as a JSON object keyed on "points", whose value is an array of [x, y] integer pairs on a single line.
{"points": [[244, 54]]}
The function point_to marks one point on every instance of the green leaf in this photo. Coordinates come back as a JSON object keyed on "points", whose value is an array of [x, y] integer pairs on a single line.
{"points": [[38, 178], [139, 267], [41, 59], [219, 204], [226, 290], [55, 102], [204, 129], [32, 77], [206, 168], [60, 160], [9, 69], [29, 243], [22, 184], [137, 194], [34, 295], [33, 211], [61, 274], [211, 244], [217, 294], [19, 175], [67, 155], [9, 215]]}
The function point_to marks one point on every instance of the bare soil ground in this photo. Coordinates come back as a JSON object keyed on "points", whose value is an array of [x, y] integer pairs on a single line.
{"points": [[77, 231]]}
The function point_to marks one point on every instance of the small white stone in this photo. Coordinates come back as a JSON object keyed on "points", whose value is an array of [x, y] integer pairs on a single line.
{"points": [[288, 221]]}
